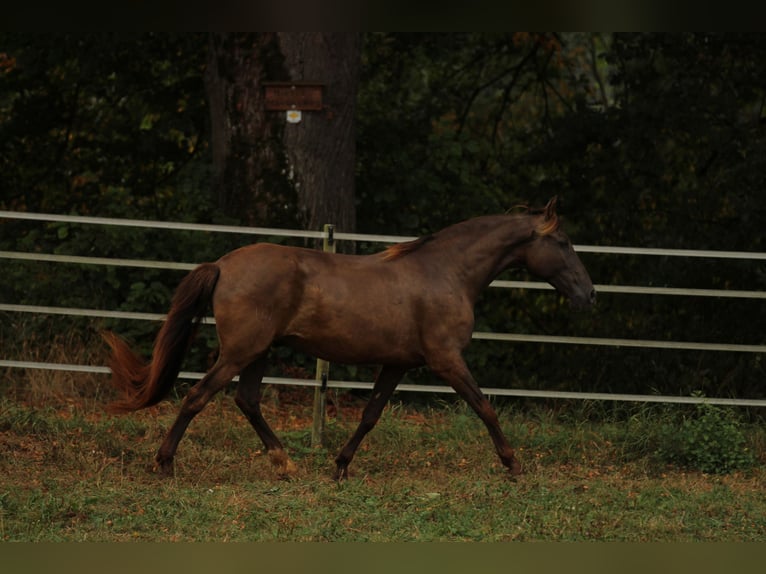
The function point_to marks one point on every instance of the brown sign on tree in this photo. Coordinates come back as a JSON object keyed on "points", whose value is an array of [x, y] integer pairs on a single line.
{"points": [[292, 96]]}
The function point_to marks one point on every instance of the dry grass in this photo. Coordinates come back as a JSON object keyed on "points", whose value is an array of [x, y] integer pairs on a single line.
{"points": [[75, 474]]}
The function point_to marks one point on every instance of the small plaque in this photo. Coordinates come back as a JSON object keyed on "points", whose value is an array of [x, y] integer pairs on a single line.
{"points": [[282, 96], [294, 116]]}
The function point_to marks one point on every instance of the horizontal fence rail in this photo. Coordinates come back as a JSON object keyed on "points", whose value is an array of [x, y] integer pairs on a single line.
{"points": [[478, 335], [172, 265], [509, 337], [148, 264], [269, 231], [407, 387]]}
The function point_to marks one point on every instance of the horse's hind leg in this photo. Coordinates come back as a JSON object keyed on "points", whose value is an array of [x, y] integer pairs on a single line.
{"points": [[385, 383], [248, 399], [196, 399], [456, 373]]}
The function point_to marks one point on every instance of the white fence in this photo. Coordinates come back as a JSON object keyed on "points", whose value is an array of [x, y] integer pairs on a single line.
{"points": [[510, 337]]}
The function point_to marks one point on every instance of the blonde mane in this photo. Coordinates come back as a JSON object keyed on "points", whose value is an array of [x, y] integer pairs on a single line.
{"points": [[550, 222], [401, 249], [548, 225]]}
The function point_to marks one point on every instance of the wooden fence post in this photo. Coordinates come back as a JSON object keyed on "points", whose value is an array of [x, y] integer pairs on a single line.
{"points": [[323, 367]]}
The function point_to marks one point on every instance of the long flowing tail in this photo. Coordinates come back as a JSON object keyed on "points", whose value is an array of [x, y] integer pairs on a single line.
{"points": [[144, 385]]}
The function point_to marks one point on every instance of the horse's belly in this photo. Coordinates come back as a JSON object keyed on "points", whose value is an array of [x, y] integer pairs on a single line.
{"points": [[359, 348]]}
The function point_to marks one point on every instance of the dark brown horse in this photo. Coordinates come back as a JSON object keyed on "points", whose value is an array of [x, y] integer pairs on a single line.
{"points": [[409, 305]]}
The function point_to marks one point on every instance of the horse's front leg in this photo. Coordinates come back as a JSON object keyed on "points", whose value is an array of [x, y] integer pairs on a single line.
{"points": [[454, 370], [384, 386]]}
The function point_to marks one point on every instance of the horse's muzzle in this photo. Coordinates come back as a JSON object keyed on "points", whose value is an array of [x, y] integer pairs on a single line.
{"points": [[583, 302]]}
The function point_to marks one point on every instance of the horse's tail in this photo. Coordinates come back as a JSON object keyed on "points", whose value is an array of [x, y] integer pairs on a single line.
{"points": [[144, 385]]}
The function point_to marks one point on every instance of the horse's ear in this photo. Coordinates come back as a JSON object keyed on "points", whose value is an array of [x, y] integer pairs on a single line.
{"points": [[550, 209]]}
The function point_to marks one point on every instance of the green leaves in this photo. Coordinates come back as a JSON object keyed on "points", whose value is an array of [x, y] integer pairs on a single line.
{"points": [[712, 440]]}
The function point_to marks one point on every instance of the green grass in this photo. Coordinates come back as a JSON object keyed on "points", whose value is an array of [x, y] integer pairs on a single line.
{"points": [[71, 473]]}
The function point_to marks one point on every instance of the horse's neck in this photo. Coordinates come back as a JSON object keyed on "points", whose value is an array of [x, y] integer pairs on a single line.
{"points": [[486, 247]]}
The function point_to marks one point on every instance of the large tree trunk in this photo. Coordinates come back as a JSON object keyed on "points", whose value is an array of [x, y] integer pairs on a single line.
{"points": [[268, 172], [322, 148]]}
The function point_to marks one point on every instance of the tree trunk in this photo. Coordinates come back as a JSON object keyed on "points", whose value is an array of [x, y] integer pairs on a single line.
{"points": [[269, 172], [321, 149]]}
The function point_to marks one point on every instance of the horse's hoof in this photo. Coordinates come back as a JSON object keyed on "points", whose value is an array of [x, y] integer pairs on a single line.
{"points": [[341, 474], [515, 469], [162, 467], [284, 466], [288, 470]]}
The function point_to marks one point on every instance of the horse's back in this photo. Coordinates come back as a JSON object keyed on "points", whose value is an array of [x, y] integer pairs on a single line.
{"points": [[347, 308]]}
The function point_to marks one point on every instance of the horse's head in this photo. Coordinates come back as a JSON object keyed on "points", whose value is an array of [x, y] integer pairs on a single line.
{"points": [[550, 256]]}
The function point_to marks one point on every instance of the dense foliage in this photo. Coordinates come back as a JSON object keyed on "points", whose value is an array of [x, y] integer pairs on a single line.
{"points": [[652, 140]]}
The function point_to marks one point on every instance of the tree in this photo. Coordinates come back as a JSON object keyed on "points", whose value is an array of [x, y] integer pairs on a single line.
{"points": [[267, 171]]}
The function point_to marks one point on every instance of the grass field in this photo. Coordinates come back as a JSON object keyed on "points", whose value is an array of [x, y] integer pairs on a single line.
{"points": [[68, 472]]}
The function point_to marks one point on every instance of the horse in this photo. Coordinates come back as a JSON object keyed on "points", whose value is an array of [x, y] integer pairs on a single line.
{"points": [[409, 305]]}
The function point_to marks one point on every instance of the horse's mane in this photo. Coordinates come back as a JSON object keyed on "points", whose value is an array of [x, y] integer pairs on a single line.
{"points": [[401, 249], [548, 224]]}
